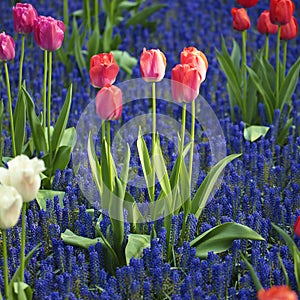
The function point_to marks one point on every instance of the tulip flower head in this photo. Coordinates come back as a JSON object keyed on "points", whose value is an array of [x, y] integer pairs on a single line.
{"points": [[264, 24], [185, 83], [153, 65], [277, 292], [247, 3], [240, 19], [281, 11], [7, 47], [289, 31], [103, 69], [196, 58], [48, 33], [10, 206], [24, 175], [109, 103], [24, 15], [297, 227]]}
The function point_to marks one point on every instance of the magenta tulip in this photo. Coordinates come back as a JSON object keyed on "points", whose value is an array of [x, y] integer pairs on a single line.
{"points": [[7, 47], [24, 15]]}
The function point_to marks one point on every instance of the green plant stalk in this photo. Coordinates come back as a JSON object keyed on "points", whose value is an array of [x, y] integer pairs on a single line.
{"points": [[284, 58], [5, 264], [277, 66], [88, 16], [96, 12], [267, 47], [12, 126], [21, 61], [153, 140], [23, 241], [45, 88], [285, 274], [109, 156], [192, 145], [183, 121], [66, 16], [103, 131], [244, 69], [49, 106]]}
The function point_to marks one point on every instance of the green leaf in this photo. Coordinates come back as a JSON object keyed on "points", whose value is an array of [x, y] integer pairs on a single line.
{"points": [[44, 195], [20, 122], [94, 42], [141, 16], [62, 158], [107, 35], [236, 54], [62, 121], [221, 237], [69, 137], [254, 132], [37, 130], [22, 290], [125, 61], [128, 5], [208, 184], [135, 246], [125, 169], [134, 213]]}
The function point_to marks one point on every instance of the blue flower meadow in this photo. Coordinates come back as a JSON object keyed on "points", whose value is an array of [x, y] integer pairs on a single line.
{"points": [[260, 187]]}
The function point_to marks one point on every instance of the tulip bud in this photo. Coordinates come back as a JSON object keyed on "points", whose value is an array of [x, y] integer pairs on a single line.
{"points": [[195, 58], [7, 47], [24, 15], [185, 83], [264, 24], [103, 69], [297, 227], [247, 3], [277, 292], [109, 103], [48, 33], [281, 11], [10, 206], [153, 65], [241, 19], [23, 174], [290, 30]]}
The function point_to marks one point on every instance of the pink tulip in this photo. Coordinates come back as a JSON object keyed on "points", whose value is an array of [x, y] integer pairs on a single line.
{"points": [[103, 69], [48, 33], [153, 65], [109, 102], [185, 82], [24, 15], [7, 47]]}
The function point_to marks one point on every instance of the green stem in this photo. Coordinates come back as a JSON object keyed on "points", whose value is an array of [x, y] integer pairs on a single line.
{"points": [[284, 58], [21, 61], [277, 66], [153, 139], [12, 126], [267, 47], [192, 145], [96, 13], [45, 88], [23, 240], [5, 264], [244, 70], [88, 16], [108, 134], [103, 131], [49, 105], [183, 121], [66, 16]]}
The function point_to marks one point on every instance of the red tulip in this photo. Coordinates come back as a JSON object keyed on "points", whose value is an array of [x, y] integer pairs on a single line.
{"points": [[297, 227], [185, 82], [290, 30], [247, 3], [264, 25], [277, 293], [153, 65], [196, 58], [24, 15], [103, 69], [241, 19], [281, 11], [48, 33], [109, 102], [7, 47]]}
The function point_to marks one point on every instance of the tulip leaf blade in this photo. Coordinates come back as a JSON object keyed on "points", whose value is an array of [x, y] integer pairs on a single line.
{"points": [[43, 195], [135, 245], [254, 132]]}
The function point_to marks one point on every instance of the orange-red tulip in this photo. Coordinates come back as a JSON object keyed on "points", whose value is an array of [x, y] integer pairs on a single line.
{"points": [[297, 227], [109, 102], [281, 11], [264, 24], [153, 65], [103, 69], [247, 3], [241, 19], [289, 31], [277, 293]]}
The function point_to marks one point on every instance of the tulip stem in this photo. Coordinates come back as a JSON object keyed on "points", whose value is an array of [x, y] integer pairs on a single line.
{"points": [[45, 88], [284, 58], [21, 61], [153, 139], [244, 64], [192, 144], [88, 16], [183, 121], [5, 264], [49, 105], [277, 66], [12, 126], [23, 240], [66, 16], [267, 47], [103, 131]]}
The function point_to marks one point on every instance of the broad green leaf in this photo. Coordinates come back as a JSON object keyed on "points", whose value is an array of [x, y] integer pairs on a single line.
{"points": [[62, 158], [185, 188], [236, 55], [128, 5], [107, 35], [77, 48], [208, 184], [69, 137], [44, 195], [62, 121], [22, 291], [283, 132], [125, 61], [254, 132], [220, 238], [135, 246], [134, 213], [125, 169]]}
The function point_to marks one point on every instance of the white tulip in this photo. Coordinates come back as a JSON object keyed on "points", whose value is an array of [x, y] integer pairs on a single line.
{"points": [[23, 174], [10, 206]]}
